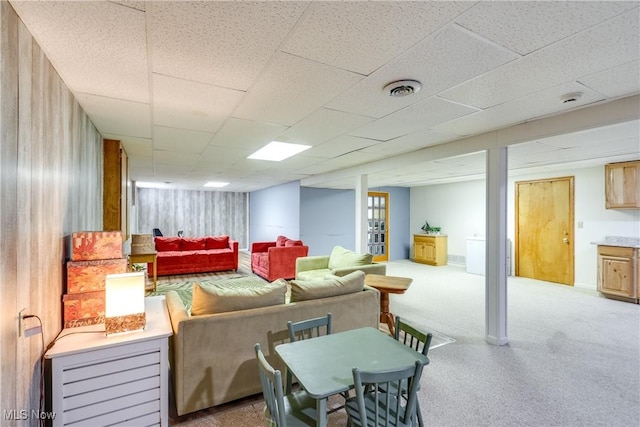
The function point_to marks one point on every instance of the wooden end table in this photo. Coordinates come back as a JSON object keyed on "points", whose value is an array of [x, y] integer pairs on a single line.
{"points": [[145, 258], [387, 285]]}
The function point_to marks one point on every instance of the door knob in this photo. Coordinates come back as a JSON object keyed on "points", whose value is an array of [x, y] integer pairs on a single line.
{"points": [[565, 240]]}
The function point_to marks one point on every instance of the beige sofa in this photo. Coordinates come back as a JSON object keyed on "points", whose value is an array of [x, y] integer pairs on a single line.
{"points": [[212, 356], [339, 262]]}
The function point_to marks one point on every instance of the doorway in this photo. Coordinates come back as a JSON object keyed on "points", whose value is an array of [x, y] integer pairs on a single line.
{"points": [[377, 225], [544, 230]]}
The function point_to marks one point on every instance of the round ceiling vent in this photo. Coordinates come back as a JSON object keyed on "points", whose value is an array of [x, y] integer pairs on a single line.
{"points": [[403, 87]]}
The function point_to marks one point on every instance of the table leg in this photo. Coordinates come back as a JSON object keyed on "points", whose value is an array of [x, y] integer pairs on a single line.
{"points": [[321, 412], [385, 314], [155, 273]]}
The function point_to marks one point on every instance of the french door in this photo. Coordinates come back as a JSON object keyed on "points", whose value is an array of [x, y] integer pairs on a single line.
{"points": [[378, 227]]}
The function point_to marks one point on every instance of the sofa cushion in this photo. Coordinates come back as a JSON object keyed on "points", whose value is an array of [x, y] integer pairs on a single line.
{"points": [[318, 274], [302, 290], [217, 242], [223, 297], [281, 241], [341, 257], [193, 243], [291, 242], [167, 243]]}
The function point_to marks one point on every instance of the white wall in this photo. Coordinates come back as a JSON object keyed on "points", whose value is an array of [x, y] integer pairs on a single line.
{"points": [[459, 208]]}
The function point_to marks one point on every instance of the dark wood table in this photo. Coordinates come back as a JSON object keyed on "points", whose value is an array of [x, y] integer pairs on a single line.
{"points": [[387, 285]]}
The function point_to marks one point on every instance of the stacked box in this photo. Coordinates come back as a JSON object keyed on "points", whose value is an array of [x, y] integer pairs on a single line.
{"points": [[94, 255], [93, 245]]}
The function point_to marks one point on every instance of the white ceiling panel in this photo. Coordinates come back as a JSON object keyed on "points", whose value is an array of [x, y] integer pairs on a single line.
{"points": [[421, 115], [134, 146], [517, 24], [616, 40], [522, 109], [117, 116], [300, 86], [339, 146], [246, 134], [618, 81], [174, 158], [322, 125], [180, 140], [188, 105], [222, 43], [439, 62], [222, 155], [410, 142], [68, 32], [362, 31]]}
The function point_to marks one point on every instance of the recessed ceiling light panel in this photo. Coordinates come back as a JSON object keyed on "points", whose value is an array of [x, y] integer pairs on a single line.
{"points": [[214, 184], [403, 88], [276, 151]]}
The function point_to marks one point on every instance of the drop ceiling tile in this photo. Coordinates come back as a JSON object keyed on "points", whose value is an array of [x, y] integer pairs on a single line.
{"points": [[517, 25], [421, 115], [410, 142], [134, 146], [520, 110], [246, 134], [441, 61], [191, 105], [98, 48], [615, 82], [117, 116], [322, 125], [291, 88], [184, 140], [217, 154], [221, 43], [339, 146], [363, 36], [616, 42], [175, 158]]}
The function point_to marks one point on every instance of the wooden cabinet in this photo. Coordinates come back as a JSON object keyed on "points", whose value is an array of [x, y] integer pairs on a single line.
{"points": [[622, 185], [116, 188], [430, 249], [618, 272], [99, 380]]}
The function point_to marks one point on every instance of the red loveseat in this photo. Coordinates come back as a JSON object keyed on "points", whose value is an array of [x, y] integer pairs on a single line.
{"points": [[277, 260], [181, 255]]}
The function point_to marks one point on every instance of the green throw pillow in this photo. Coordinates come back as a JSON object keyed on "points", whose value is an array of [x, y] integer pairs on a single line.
{"points": [[221, 298], [302, 290], [341, 257]]}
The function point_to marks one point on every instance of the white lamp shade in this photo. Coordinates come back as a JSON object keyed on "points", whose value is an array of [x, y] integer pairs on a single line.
{"points": [[124, 302]]}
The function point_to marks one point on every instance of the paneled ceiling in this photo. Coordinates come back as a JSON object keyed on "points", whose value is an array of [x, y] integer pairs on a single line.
{"points": [[193, 88]]}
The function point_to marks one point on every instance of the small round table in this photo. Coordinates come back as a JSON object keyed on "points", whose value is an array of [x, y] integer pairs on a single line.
{"points": [[387, 285]]}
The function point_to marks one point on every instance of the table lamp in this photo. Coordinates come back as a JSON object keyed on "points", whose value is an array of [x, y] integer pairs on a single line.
{"points": [[142, 244], [124, 302]]}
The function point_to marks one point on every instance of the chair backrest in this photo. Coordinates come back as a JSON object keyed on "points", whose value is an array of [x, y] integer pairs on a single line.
{"points": [[157, 232], [412, 337], [378, 404], [271, 380], [309, 328]]}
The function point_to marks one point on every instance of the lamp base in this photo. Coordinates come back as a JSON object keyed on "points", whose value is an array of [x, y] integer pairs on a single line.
{"points": [[126, 323]]}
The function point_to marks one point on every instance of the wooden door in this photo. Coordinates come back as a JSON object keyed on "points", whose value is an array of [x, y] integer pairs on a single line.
{"points": [[378, 225], [544, 230]]}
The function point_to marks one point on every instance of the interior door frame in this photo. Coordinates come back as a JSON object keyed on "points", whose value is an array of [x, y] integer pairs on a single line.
{"points": [[571, 226], [385, 256]]}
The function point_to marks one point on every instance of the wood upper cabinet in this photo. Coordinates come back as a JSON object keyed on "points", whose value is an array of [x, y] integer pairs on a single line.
{"points": [[430, 249], [617, 271], [115, 207], [622, 185]]}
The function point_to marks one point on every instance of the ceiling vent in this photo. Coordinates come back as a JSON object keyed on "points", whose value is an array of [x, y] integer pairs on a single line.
{"points": [[570, 97], [403, 87]]}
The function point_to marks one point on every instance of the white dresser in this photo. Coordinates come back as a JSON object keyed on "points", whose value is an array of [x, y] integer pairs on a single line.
{"points": [[120, 379]]}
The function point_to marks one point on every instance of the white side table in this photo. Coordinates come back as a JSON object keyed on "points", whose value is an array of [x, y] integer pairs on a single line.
{"points": [[100, 380]]}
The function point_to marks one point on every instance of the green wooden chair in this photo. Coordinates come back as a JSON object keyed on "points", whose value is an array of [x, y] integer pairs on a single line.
{"points": [[417, 340], [306, 329], [297, 409], [373, 406]]}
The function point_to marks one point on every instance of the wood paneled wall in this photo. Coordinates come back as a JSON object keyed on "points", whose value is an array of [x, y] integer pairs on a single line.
{"points": [[50, 186], [197, 213]]}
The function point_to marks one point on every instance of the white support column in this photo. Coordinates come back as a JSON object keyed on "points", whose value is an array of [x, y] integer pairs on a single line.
{"points": [[362, 191], [496, 249]]}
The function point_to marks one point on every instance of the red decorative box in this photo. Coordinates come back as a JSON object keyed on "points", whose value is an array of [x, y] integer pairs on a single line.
{"points": [[92, 245], [85, 308], [87, 276]]}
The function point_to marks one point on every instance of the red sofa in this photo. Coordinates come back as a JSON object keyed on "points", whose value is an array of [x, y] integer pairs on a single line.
{"points": [[277, 260], [181, 255]]}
